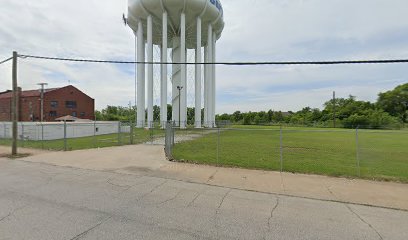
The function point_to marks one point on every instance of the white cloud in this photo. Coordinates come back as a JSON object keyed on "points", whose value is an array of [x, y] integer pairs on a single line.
{"points": [[275, 30]]}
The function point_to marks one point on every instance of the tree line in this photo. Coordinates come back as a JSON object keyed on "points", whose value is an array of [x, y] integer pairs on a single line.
{"points": [[389, 111]]}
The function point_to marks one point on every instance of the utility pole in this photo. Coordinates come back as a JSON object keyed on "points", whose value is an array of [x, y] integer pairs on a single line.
{"points": [[14, 105], [42, 100], [334, 109], [179, 88]]}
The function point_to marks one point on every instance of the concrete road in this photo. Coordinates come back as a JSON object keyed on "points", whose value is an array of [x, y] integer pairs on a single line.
{"points": [[41, 201], [151, 161]]}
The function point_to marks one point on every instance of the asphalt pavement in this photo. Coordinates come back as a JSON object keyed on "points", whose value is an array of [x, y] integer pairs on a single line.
{"points": [[43, 201]]}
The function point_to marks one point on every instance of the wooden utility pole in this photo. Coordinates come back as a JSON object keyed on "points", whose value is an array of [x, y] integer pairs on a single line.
{"points": [[14, 105], [42, 100]]}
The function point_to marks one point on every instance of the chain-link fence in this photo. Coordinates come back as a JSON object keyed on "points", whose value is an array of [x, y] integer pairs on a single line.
{"points": [[371, 154], [66, 136]]}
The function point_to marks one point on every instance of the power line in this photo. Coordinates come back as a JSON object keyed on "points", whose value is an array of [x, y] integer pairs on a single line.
{"points": [[6, 60], [384, 61]]}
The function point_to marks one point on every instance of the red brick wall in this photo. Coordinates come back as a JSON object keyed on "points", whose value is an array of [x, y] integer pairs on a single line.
{"points": [[5, 107], [28, 113], [85, 104]]}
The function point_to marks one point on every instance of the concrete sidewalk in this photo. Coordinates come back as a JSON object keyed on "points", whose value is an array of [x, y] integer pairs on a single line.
{"points": [[150, 160]]}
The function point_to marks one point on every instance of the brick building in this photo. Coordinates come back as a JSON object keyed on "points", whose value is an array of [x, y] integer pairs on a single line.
{"points": [[58, 102]]}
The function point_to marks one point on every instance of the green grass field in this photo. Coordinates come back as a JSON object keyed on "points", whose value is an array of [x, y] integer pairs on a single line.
{"points": [[99, 141], [382, 155]]}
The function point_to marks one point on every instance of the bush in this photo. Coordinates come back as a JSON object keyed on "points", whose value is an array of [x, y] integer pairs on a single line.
{"points": [[373, 119]]}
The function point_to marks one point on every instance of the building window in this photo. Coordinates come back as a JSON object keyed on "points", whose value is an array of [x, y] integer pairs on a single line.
{"points": [[74, 114], [53, 113], [82, 114], [54, 104], [70, 104]]}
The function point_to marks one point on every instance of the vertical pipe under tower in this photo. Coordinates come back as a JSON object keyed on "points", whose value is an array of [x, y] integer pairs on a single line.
{"points": [[209, 87], [140, 76], [176, 78], [198, 76], [149, 71], [163, 95], [206, 86], [213, 90], [183, 97]]}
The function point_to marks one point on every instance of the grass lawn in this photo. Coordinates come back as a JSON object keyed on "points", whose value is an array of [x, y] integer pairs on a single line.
{"points": [[99, 141], [382, 155]]}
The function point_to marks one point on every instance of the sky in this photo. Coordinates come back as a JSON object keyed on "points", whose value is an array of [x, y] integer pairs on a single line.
{"points": [[255, 30]]}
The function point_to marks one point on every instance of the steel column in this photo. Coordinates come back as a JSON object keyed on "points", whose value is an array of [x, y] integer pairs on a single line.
{"points": [[149, 71], [176, 78], [198, 76], [163, 95], [209, 87], [140, 77], [205, 87], [183, 97], [213, 82]]}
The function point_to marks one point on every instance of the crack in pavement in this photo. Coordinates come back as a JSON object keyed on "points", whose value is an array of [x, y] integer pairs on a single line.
{"points": [[217, 211], [8, 215], [361, 219], [194, 199], [172, 198], [84, 233], [153, 189], [11, 213], [272, 211], [212, 176], [331, 192], [117, 185]]}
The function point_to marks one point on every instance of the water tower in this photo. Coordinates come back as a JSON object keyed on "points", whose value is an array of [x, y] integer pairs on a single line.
{"points": [[177, 25]]}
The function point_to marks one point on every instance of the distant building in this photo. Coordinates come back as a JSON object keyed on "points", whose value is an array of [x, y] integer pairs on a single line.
{"points": [[58, 102]]}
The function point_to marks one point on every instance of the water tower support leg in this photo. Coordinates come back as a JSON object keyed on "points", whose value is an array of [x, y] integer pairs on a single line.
{"points": [[140, 77], [213, 77], [206, 86], [183, 96], [149, 71], [176, 78], [210, 77], [198, 77], [163, 97]]}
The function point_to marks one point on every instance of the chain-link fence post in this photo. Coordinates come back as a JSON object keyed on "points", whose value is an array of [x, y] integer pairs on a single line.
{"points": [[119, 134], [65, 136], [218, 147], [94, 134], [169, 140], [4, 125], [42, 135], [358, 154], [131, 133], [22, 134], [172, 124], [151, 133], [281, 148]]}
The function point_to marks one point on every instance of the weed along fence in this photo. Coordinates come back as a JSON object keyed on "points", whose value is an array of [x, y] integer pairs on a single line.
{"points": [[370, 154]]}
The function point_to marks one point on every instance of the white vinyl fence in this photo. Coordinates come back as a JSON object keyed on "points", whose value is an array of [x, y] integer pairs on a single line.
{"points": [[55, 130]]}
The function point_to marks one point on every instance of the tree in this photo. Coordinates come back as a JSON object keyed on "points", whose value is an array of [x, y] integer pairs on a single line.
{"points": [[247, 119], [395, 102], [169, 112], [237, 116], [156, 113]]}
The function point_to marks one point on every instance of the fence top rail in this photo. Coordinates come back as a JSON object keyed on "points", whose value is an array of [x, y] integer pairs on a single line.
{"points": [[307, 130]]}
